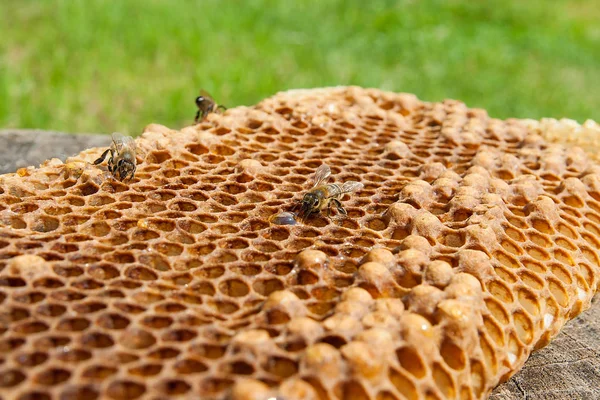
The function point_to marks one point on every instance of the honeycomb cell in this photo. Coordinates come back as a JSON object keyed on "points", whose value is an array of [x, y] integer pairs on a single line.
{"points": [[173, 387], [453, 355], [141, 274], [234, 288], [170, 307], [12, 282], [190, 366], [89, 307], [204, 288], [500, 291], [179, 335], [515, 234], [48, 283], [31, 359], [444, 381], [477, 378], [411, 361], [145, 370], [72, 355], [97, 340], [125, 389], [113, 321], [224, 306], [523, 327], [506, 259], [42, 224], [163, 353], [197, 149], [168, 249], [24, 208], [16, 222], [29, 297], [561, 272], [208, 350], [34, 395], [531, 280], [558, 292], [202, 249], [52, 377], [494, 331], [403, 384], [32, 327], [75, 324], [542, 226], [11, 377]]}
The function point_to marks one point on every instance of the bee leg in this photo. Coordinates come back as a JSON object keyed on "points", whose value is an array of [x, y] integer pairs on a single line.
{"points": [[197, 117], [132, 172], [112, 167], [329, 209], [295, 206], [299, 211], [221, 107], [339, 207], [102, 157]]}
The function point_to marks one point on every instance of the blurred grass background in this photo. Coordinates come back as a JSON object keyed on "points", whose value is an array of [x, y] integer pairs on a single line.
{"points": [[108, 65]]}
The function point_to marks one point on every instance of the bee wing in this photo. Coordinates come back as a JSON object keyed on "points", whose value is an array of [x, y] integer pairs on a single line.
{"points": [[117, 139], [205, 94], [123, 142], [351, 186], [321, 175], [129, 142], [129, 145]]}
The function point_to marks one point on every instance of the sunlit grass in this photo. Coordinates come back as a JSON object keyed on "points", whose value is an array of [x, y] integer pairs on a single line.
{"points": [[103, 65]]}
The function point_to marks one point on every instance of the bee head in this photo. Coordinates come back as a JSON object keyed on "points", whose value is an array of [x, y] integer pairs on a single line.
{"points": [[200, 101], [125, 168], [310, 203]]}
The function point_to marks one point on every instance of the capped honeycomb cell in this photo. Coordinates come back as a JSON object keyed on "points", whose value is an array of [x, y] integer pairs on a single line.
{"points": [[471, 243]]}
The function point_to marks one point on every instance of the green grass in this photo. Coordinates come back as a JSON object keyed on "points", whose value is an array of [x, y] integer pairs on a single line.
{"points": [[107, 65]]}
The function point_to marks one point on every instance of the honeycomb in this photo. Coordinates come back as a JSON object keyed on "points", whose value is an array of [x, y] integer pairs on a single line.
{"points": [[473, 241]]}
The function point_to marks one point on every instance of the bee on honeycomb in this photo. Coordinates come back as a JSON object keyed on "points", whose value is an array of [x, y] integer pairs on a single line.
{"points": [[122, 162], [323, 195], [206, 104]]}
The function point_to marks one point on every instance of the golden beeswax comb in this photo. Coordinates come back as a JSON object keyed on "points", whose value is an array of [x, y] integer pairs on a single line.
{"points": [[470, 244]]}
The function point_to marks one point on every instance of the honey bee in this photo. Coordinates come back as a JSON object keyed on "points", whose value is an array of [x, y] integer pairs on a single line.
{"points": [[323, 195], [206, 105], [121, 162]]}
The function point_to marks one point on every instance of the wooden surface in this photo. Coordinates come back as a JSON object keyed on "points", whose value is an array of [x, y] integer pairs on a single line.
{"points": [[568, 368], [22, 148]]}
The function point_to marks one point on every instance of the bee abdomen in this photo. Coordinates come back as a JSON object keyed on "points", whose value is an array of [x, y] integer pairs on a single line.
{"points": [[333, 190]]}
